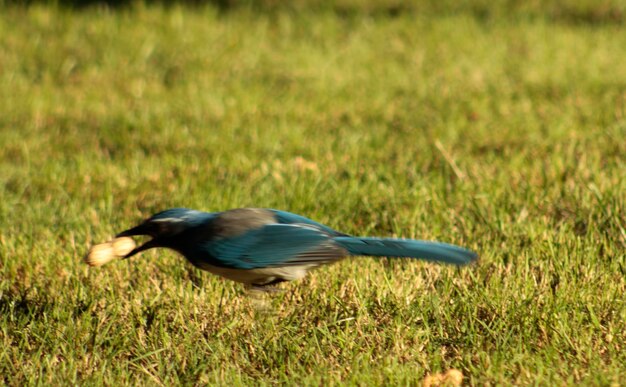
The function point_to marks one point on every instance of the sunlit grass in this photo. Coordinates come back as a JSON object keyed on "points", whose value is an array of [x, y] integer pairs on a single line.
{"points": [[502, 135]]}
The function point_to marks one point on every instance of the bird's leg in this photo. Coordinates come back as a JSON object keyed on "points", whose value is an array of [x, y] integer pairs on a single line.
{"points": [[259, 294]]}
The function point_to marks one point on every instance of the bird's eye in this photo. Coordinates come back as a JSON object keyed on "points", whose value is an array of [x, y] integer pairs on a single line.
{"points": [[162, 228], [166, 226]]}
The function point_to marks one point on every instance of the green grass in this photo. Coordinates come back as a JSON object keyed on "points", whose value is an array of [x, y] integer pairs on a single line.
{"points": [[505, 135]]}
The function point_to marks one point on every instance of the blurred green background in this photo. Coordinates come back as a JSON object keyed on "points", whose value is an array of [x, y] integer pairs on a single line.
{"points": [[499, 126]]}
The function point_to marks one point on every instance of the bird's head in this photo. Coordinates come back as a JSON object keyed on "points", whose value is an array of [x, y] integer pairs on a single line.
{"points": [[164, 228]]}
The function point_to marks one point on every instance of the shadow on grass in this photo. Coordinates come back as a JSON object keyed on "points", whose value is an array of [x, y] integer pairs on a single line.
{"points": [[20, 305]]}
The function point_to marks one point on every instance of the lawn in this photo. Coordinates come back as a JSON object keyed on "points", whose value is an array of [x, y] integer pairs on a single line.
{"points": [[500, 131]]}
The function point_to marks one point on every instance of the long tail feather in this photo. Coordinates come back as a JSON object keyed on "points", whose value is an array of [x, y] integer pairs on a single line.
{"points": [[408, 248]]}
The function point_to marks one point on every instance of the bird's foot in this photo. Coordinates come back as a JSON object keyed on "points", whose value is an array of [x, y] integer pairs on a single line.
{"points": [[268, 287]]}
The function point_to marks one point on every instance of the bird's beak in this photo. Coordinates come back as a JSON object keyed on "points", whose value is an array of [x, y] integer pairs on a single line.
{"points": [[139, 230]]}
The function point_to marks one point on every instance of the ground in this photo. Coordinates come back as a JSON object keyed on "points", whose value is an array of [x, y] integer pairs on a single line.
{"points": [[495, 129]]}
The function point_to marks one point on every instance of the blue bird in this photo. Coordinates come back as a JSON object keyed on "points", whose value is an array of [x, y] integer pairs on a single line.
{"points": [[262, 247]]}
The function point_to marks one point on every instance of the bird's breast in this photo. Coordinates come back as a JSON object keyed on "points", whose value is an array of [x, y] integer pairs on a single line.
{"points": [[258, 276]]}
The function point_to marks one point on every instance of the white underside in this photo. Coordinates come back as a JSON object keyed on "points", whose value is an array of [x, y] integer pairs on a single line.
{"points": [[262, 275]]}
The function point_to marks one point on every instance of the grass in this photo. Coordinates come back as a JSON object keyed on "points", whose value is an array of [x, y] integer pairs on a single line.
{"points": [[504, 135]]}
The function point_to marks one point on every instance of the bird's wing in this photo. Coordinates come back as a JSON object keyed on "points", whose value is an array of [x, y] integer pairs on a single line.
{"points": [[276, 245], [291, 218]]}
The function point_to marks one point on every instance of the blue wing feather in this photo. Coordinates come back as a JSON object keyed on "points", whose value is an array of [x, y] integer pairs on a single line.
{"points": [[274, 245]]}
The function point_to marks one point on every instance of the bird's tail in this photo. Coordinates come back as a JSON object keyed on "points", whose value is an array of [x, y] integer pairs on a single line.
{"points": [[408, 248]]}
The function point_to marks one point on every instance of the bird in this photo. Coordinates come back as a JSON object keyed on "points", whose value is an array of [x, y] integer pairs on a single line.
{"points": [[262, 247]]}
